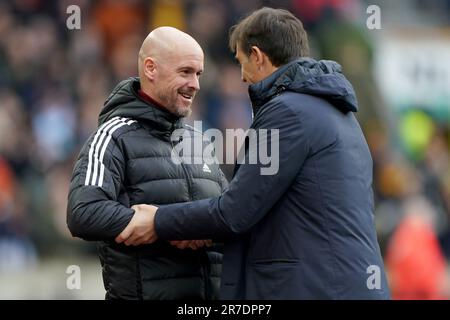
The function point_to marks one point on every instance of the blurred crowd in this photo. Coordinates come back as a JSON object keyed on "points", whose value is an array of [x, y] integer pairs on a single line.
{"points": [[53, 82]]}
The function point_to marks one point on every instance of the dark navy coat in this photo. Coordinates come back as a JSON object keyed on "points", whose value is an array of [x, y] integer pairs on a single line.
{"points": [[306, 232]]}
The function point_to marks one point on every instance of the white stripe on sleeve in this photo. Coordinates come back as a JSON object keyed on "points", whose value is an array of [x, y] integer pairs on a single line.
{"points": [[104, 134], [91, 150], [105, 145]]}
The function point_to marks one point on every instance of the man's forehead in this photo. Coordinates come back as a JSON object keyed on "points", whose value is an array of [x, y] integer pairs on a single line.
{"points": [[238, 52], [191, 61], [238, 55], [188, 52]]}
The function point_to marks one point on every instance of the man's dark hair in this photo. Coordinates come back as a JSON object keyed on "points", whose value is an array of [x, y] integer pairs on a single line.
{"points": [[276, 32]]}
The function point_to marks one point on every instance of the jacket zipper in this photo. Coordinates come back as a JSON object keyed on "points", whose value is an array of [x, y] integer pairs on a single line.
{"points": [[206, 263], [186, 175]]}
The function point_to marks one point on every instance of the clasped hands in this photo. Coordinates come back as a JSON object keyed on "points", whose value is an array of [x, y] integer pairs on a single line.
{"points": [[141, 230]]}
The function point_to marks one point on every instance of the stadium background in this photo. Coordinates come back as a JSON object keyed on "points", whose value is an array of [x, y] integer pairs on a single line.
{"points": [[53, 82]]}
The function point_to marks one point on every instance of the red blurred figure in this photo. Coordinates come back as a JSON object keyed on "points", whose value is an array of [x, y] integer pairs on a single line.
{"points": [[416, 265]]}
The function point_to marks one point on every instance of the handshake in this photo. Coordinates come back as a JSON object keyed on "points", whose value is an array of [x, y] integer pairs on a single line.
{"points": [[141, 230]]}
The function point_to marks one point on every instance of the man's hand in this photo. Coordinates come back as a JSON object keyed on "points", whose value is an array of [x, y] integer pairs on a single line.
{"points": [[193, 244], [141, 229]]}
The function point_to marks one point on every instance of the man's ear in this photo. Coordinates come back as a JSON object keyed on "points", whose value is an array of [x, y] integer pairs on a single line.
{"points": [[258, 55], [149, 68]]}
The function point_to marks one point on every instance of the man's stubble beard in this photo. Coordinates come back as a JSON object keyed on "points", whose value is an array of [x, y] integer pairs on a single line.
{"points": [[184, 113], [180, 112]]}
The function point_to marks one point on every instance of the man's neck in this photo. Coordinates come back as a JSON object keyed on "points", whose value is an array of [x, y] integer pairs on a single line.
{"points": [[150, 100]]}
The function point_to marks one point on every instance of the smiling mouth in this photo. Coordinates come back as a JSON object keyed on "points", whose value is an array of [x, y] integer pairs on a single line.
{"points": [[187, 96]]}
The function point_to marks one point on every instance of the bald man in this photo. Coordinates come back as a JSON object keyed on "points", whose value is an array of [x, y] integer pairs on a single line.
{"points": [[170, 63], [127, 161]]}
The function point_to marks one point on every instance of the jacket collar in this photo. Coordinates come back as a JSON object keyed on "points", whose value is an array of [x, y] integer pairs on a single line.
{"points": [[125, 101], [322, 78], [264, 90]]}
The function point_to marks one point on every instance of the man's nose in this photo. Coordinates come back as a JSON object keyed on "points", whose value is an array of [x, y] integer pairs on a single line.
{"points": [[195, 83]]}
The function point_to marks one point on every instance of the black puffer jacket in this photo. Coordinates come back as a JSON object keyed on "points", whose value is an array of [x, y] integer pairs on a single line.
{"points": [[126, 162]]}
